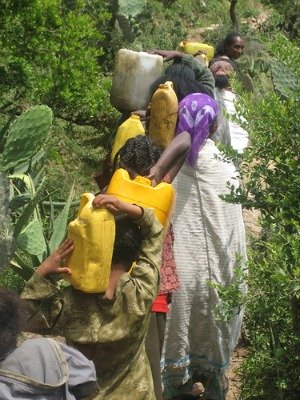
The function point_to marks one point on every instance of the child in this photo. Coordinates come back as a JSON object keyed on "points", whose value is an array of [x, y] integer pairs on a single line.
{"points": [[109, 328], [38, 368], [137, 156]]}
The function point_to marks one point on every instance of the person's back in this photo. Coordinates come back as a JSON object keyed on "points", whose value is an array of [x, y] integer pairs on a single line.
{"points": [[110, 327], [39, 368], [228, 132]]}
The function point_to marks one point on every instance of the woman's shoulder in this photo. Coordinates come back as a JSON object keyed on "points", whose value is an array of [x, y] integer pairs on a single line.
{"points": [[195, 97]]}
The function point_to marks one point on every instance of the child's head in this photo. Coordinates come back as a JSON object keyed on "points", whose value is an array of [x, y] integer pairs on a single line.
{"points": [[127, 241], [137, 156], [11, 320]]}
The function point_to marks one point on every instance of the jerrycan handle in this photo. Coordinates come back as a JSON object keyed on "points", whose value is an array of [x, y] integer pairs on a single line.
{"points": [[142, 180], [85, 199]]}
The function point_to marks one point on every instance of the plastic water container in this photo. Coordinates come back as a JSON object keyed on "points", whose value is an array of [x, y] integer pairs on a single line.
{"points": [[127, 130], [93, 233], [139, 191], [133, 76], [194, 47], [163, 114]]}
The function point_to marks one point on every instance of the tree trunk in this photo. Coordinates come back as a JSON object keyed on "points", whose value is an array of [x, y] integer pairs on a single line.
{"points": [[232, 14]]}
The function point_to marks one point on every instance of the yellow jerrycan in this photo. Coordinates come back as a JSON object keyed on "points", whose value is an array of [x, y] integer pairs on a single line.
{"points": [[93, 233], [194, 47], [139, 191], [163, 114], [127, 130]]}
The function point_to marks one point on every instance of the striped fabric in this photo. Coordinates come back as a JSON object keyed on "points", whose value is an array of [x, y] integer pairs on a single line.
{"points": [[209, 234]]}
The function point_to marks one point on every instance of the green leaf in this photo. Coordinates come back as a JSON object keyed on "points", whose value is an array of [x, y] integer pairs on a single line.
{"points": [[60, 224], [28, 210], [31, 239], [22, 267], [27, 181]]}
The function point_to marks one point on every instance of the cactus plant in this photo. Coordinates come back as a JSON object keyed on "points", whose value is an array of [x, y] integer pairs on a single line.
{"points": [[7, 241], [20, 198], [128, 7], [125, 26], [126, 13], [31, 240], [26, 136], [284, 80]]}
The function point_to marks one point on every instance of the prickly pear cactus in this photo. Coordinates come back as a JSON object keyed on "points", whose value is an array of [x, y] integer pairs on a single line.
{"points": [[129, 7], [26, 136], [284, 80], [126, 13], [7, 242], [126, 27], [32, 240]]}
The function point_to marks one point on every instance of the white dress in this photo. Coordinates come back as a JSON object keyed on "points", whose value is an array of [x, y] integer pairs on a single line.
{"points": [[209, 234], [229, 132]]}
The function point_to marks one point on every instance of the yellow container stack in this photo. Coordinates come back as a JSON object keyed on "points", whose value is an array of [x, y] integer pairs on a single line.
{"points": [[127, 130], [93, 233], [163, 114], [139, 191], [194, 47]]}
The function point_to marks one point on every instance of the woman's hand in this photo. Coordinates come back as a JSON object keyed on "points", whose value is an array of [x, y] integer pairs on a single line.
{"points": [[156, 176], [141, 113], [116, 206], [166, 54], [52, 264]]}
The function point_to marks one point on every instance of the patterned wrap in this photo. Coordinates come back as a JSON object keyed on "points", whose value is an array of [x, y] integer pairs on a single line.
{"points": [[197, 112], [169, 278]]}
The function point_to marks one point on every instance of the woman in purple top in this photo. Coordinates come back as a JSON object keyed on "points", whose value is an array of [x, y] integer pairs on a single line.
{"points": [[209, 245]]}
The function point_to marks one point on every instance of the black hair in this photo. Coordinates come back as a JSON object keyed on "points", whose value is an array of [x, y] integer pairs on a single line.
{"points": [[137, 156], [12, 320], [222, 46], [128, 241], [184, 80], [222, 81]]}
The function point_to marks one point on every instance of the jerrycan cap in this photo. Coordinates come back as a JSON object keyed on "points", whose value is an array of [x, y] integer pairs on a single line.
{"points": [[166, 85], [134, 116]]}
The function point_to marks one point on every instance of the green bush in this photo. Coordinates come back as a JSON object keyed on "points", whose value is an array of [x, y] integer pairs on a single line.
{"points": [[49, 53], [271, 177]]}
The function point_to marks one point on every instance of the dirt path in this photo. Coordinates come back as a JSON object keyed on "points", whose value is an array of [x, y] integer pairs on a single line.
{"points": [[234, 381]]}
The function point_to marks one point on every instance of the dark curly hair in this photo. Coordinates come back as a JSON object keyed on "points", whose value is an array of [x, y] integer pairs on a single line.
{"points": [[128, 241], [184, 80], [12, 320], [225, 43], [137, 156]]}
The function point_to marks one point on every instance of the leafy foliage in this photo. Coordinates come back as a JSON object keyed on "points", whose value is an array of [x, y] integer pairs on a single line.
{"points": [[271, 179], [288, 18], [49, 55], [34, 243]]}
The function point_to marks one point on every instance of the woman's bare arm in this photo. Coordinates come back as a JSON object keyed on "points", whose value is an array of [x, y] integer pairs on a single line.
{"points": [[172, 158]]}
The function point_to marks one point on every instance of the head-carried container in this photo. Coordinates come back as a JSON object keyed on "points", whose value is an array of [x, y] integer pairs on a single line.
{"points": [[133, 76], [127, 130], [194, 47], [93, 234], [139, 191], [163, 114]]}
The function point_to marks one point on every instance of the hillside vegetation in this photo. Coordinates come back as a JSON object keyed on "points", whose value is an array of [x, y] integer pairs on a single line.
{"points": [[57, 126]]}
